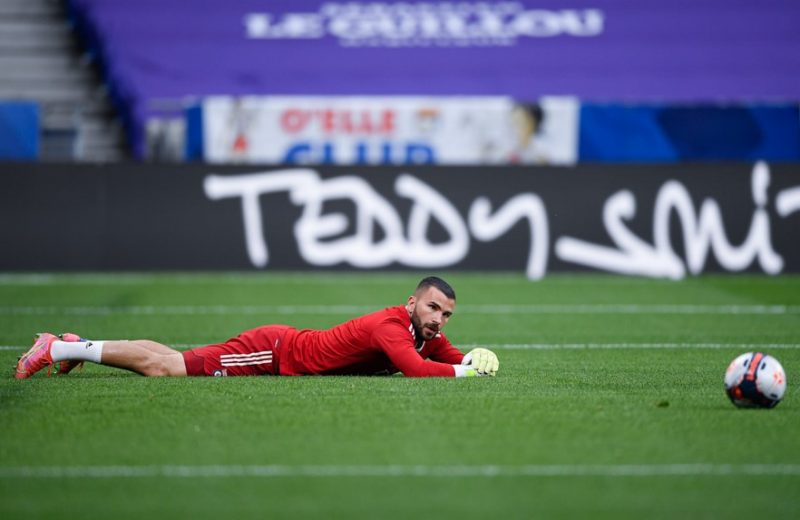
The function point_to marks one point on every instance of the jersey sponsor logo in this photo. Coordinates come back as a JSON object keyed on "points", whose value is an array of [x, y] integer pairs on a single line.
{"points": [[239, 360]]}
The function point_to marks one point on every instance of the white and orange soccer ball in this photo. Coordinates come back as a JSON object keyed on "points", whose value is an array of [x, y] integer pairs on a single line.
{"points": [[755, 380]]}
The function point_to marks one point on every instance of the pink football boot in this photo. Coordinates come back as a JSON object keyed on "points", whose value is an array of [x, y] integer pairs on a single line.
{"points": [[37, 357]]}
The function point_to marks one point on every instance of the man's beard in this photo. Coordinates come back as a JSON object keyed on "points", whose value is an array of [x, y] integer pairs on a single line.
{"points": [[416, 322]]}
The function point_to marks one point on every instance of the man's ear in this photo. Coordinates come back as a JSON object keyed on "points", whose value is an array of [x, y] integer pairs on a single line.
{"points": [[412, 300]]}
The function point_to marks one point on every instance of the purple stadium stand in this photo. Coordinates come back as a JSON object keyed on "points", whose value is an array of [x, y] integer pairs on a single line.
{"points": [[677, 51]]}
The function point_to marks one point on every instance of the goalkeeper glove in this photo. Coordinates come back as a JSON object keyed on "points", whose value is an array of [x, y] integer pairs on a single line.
{"points": [[483, 360]]}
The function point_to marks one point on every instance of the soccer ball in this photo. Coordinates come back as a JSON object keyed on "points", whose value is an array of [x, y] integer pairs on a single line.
{"points": [[755, 380]]}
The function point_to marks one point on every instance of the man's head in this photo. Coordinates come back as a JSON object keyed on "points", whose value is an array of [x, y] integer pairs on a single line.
{"points": [[431, 306]]}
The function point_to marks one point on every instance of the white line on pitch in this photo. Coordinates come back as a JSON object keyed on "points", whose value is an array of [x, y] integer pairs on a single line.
{"points": [[483, 471], [247, 278], [635, 346], [306, 278], [179, 346], [249, 310]]}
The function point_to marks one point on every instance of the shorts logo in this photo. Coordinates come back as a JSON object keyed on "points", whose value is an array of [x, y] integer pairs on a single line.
{"points": [[220, 373]]}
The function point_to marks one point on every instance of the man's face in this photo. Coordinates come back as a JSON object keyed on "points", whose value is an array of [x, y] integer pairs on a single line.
{"points": [[429, 310]]}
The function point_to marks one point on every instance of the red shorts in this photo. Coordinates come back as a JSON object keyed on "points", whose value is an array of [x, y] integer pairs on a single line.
{"points": [[254, 352]]}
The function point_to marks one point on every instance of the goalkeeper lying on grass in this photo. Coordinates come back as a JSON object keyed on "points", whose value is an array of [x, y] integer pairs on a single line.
{"points": [[406, 338]]}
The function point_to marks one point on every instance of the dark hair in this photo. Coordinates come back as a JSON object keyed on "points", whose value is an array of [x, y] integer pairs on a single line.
{"points": [[434, 281]]}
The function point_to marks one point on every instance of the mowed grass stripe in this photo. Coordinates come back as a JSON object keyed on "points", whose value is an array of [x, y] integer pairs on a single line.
{"points": [[570, 346], [481, 471], [249, 310]]}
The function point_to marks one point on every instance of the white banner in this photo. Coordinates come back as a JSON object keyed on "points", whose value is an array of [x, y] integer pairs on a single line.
{"points": [[389, 130]]}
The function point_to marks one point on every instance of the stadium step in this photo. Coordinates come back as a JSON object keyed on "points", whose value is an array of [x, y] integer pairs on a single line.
{"points": [[69, 79], [52, 62], [29, 36], [45, 92], [25, 9], [34, 29]]}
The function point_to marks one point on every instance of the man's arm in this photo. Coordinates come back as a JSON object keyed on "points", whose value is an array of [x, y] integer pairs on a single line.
{"points": [[445, 352], [410, 363], [398, 345]]}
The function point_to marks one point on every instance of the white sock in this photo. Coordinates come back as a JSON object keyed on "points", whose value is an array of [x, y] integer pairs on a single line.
{"points": [[77, 350]]}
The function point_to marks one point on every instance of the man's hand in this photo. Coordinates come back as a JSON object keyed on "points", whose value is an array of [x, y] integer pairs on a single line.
{"points": [[483, 360]]}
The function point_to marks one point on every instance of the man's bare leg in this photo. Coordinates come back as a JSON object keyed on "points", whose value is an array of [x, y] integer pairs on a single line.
{"points": [[145, 357], [142, 356]]}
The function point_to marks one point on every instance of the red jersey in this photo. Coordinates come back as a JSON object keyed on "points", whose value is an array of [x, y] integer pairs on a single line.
{"points": [[383, 342]]}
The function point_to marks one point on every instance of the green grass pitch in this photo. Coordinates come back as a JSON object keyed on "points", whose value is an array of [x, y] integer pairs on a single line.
{"points": [[609, 403]]}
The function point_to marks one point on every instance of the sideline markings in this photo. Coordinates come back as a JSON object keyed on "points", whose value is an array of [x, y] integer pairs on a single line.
{"points": [[482, 471], [302, 278], [635, 346], [249, 310], [258, 278], [350, 278], [564, 346]]}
